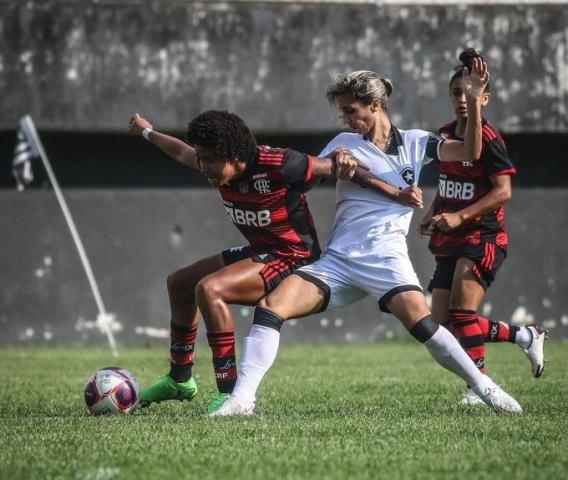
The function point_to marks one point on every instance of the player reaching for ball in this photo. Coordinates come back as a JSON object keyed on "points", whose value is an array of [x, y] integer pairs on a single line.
{"points": [[366, 252], [469, 239], [263, 192]]}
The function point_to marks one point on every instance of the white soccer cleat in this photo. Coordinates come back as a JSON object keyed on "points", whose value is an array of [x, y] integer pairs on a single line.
{"points": [[469, 397], [535, 352], [233, 406], [499, 400]]}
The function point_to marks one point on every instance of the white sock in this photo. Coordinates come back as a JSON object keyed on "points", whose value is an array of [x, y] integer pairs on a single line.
{"points": [[258, 355], [447, 351], [523, 337]]}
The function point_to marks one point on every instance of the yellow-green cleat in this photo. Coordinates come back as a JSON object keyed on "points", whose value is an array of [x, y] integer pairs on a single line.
{"points": [[167, 389]]}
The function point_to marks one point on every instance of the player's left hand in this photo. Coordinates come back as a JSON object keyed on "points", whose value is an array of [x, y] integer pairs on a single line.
{"points": [[411, 197], [447, 221], [477, 79]]}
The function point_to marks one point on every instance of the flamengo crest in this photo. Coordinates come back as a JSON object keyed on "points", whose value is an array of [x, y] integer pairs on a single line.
{"points": [[262, 185]]}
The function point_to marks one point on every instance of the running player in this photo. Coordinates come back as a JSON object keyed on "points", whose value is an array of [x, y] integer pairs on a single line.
{"points": [[366, 252], [469, 240], [263, 194]]}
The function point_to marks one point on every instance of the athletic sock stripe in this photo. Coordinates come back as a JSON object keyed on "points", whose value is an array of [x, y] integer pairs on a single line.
{"points": [[472, 341]]}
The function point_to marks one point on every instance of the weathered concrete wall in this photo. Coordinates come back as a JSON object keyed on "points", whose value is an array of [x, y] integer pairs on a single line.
{"points": [[87, 64], [134, 238]]}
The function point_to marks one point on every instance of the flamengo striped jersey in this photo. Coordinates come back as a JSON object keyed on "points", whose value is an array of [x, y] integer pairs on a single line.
{"points": [[463, 183], [268, 204]]}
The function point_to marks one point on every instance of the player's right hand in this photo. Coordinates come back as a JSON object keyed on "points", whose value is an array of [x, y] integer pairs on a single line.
{"points": [[138, 124], [345, 163]]}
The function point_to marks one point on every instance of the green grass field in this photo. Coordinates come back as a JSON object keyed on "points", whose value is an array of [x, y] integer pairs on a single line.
{"points": [[337, 411]]}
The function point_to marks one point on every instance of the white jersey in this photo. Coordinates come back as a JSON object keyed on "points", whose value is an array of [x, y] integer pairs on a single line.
{"points": [[362, 215]]}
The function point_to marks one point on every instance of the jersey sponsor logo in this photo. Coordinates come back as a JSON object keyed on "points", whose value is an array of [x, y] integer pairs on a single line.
{"points": [[262, 186], [456, 190], [407, 175], [243, 187], [236, 249], [467, 163], [260, 175], [251, 218]]}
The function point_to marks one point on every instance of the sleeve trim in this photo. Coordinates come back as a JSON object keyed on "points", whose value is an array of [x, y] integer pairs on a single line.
{"points": [[506, 171]]}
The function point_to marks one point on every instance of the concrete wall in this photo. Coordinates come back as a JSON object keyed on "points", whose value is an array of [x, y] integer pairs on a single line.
{"points": [[134, 238], [87, 64]]}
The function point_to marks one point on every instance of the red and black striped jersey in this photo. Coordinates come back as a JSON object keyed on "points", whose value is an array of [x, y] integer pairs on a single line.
{"points": [[464, 183], [268, 204]]}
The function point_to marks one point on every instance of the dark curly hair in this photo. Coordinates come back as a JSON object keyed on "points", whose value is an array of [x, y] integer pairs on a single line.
{"points": [[224, 133], [466, 58]]}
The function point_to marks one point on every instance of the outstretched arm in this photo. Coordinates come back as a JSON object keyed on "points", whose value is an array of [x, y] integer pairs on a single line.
{"points": [[343, 165], [174, 147], [470, 149]]}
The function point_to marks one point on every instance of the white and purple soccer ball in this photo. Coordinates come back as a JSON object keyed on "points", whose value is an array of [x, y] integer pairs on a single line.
{"points": [[112, 390]]}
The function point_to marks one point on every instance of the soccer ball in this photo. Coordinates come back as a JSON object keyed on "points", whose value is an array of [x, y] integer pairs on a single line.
{"points": [[111, 390]]}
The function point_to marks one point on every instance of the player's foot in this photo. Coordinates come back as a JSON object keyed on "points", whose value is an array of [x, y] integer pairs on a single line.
{"points": [[535, 352], [167, 389], [494, 396], [233, 406], [469, 397], [215, 400]]}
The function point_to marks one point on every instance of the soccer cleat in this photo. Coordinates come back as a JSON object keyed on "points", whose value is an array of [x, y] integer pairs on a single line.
{"points": [[233, 406], [469, 397], [499, 400], [215, 400], [167, 389], [535, 352]]}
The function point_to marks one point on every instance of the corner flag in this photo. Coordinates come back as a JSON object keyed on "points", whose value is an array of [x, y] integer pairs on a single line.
{"points": [[28, 147]]}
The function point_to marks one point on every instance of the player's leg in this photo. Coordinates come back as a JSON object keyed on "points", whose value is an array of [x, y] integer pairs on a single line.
{"points": [[465, 297], [411, 309], [529, 338], [178, 383], [472, 278], [299, 295], [440, 287], [240, 283], [440, 306], [294, 297]]}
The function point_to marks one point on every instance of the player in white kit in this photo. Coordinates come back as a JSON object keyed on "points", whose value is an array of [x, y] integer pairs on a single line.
{"points": [[366, 253]]}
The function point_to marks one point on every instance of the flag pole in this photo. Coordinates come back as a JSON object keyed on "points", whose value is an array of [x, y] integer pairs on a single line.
{"points": [[104, 319]]}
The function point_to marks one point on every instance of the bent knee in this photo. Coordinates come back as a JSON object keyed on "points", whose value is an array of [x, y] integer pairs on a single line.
{"points": [[274, 305], [208, 290]]}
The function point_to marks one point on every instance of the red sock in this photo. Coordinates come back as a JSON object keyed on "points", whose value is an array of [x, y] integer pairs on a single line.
{"points": [[224, 360], [182, 351], [467, 331], [497, 331]]}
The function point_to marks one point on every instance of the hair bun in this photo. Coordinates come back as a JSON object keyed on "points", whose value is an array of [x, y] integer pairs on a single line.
{"points": [[467, 56], [388, 86]]}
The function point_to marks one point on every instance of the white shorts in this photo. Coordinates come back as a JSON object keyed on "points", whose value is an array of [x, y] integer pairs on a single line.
{"points": [[381, 271]]}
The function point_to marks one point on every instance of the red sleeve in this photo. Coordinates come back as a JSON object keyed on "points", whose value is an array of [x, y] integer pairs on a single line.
{"points": [[494, 154]]}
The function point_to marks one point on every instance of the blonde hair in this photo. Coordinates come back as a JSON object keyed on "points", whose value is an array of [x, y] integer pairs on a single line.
{"points": [[363, 85]]}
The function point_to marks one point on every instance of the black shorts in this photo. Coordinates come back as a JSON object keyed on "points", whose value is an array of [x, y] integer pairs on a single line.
{"points": [[488, 259], [276, 267]]}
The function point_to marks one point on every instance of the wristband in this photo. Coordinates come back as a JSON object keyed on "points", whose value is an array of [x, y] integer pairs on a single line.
{"points": [[146, 132]]}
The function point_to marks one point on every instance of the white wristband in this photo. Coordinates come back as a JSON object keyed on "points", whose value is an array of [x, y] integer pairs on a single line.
{"points": [[146, 132]]}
